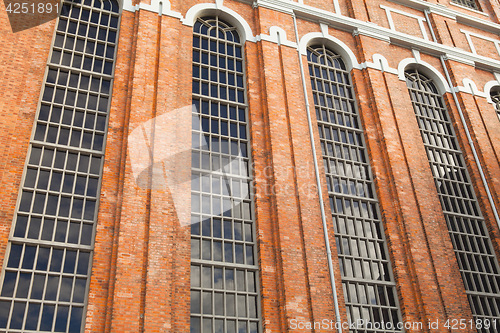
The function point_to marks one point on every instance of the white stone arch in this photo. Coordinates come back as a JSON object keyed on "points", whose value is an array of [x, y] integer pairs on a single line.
{"points": [[227, 14], [332, 43], [277, 33], [426, 69], [381, 61], [488, 87], [471, 87]]}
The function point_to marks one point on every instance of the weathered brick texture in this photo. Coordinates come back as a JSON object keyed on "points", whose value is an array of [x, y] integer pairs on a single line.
{"points": [[141, 266]]}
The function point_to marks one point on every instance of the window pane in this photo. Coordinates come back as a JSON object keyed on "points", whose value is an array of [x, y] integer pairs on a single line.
{"points": [[465, 222], [225, 235], [343, 156], [53, 231], [467, 3]]}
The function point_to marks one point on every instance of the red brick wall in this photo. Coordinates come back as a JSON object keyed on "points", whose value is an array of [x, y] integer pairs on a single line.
{"points": [[149, 262], [140, 275]]}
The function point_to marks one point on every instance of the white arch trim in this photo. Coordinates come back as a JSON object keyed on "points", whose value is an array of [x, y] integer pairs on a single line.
{"points": [[470, 87], [228, 14], [425, 68], [380, 63], [334, 43], [278, 35]]}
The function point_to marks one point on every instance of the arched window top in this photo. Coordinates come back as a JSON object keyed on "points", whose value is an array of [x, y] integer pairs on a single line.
{"points": [[495, 95], [495, 98], [321, 55], [412, 65], [87, 29], [216, 28], [109, 5], [417, 80], [112, 5], [204, 10], [313, 39]]}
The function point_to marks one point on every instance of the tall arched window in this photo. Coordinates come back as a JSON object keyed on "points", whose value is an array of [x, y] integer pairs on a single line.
{"points": [[495, 97], [46, 271], [224, 271], [469, 235], [367, 280]]}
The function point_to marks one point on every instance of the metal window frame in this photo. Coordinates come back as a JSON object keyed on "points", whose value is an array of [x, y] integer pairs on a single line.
{"points": [[249, 178], [67, 149], [367, 181], [468, 232], [495, 97], [471, 4]]}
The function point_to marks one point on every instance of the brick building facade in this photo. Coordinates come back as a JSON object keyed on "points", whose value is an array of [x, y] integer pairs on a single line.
{"points": [[251, 166]]}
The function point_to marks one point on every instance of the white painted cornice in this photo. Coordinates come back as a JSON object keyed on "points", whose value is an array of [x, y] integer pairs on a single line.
{"points": [[460, 17], [286, 6], [355, 27], [394, 37]]}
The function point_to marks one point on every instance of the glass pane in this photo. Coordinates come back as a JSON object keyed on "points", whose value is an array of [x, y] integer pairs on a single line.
{"points": [[343, 156], [462, 212], [218, 183], [62, 183]]}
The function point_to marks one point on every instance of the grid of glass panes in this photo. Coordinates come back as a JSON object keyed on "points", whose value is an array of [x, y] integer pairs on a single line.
{"points": [[469, 235], [467, 3], [369, 287], [495, 97], [46, 271], [224, 271]]}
